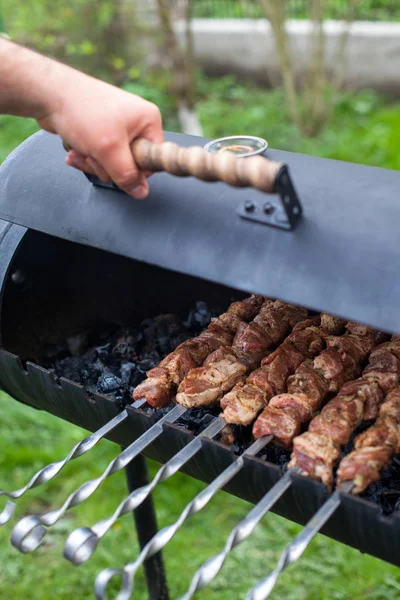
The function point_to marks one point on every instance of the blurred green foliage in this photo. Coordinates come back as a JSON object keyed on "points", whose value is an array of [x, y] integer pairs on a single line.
{"points": [[383, 10], [91, 35], [364, 127]]}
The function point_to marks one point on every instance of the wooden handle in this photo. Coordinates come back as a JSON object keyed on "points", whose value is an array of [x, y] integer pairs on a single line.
{"points": [[254, 171]]}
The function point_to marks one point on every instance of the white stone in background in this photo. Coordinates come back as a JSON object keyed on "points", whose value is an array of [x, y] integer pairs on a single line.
{"points": [[246, 47], [189, 121]]}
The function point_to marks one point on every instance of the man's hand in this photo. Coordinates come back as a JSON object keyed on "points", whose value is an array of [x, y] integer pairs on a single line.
{"points": [[96, 119]]}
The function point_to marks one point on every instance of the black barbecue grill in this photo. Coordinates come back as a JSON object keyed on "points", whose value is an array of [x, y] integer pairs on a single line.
{"points": [[74, 253]]}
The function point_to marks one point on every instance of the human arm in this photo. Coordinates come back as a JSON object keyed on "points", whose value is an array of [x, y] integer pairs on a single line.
{"points": [[98, 120]]}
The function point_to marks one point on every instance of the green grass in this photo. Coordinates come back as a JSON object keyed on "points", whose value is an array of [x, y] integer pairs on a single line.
{"points": [[31, 439], [370, 10], [13, 131], [364, 128]]}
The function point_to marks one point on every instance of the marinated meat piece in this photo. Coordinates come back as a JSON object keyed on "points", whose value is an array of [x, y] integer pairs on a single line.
{"points": [[363, 467], [329, 366], [358, 401], [374, 447], [243, 403], [208, 383], [156, 389], [310, 384], [277, 367], [282, 425], [314, 455], [332, 425], [385, 368], [332, 325], [386, 433], [248, 308], [251, 339], [393, 346], [177, 364], [299, 404], [311, 321], [307, 381], [309, 341], [160, 386]]}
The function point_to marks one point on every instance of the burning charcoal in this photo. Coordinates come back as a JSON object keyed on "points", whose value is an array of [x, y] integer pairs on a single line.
{"points": [[126, 371], [170, 333], [76, 343], [53, 352], [197, 419], [275, 454], [77, 369], [148, 363], [108, 383], [126, 344], [199, 317], [98, 353]]}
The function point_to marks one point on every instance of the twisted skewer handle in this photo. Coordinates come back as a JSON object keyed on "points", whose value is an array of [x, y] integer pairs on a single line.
{"points": [[30, 531], [50, 471], [300, 543], [254, 171], [210, 569], [163, 536], [82, 542]]}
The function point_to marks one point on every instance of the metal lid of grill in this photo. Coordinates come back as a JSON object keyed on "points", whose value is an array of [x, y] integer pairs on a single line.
{"points": [[340, 258]]}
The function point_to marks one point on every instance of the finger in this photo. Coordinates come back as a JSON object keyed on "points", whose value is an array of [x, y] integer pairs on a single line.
{"points": [[117, 160], [79, 161], [141, 191], [98, 169], [153, 131]]}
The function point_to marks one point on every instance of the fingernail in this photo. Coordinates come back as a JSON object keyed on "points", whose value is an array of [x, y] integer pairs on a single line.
{"points": [[140, 192], [76, 162]]}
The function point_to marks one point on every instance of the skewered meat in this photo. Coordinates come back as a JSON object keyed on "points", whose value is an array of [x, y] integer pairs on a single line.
{"points": [[311, 383], [228, 365], [246, 400], [161, 383], [331, 324], [316, 451], [374, 447]]}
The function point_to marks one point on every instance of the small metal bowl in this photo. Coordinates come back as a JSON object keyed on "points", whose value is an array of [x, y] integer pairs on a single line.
{"points": [[241, 145]]}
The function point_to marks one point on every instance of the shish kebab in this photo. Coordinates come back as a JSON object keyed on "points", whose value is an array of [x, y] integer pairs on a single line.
{"points": [[267, 329], [306, 341], [282, 418], [317, 451], [221, 330], [250, 343]]}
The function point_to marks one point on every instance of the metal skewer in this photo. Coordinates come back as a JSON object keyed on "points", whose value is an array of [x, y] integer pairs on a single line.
{"points": [[82, 542], [30, 531], [51, 470], [210, 569], [165, 535], [296, 548]]}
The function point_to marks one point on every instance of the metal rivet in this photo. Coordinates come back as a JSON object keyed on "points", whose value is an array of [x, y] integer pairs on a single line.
{"points": [[286, 200], [295, 210], [18, 277], [249, 206], [268, 208]]}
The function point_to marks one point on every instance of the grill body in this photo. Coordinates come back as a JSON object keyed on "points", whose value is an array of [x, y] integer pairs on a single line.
{"points": [[52, 288]]}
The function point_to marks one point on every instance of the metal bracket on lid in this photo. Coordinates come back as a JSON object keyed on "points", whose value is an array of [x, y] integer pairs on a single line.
{"points": [[282, 210]]}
